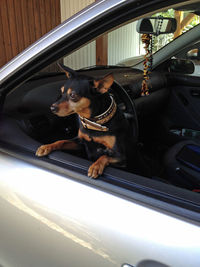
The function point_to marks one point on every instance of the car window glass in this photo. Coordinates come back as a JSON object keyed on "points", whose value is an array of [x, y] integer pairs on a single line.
{"points": [[123, 46]]}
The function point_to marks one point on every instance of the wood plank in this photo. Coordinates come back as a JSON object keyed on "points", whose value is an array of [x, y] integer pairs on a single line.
{"points": [[31, 21], [25, 21], [12, 27], [102, 50], [58, 12], [19, 25], [43, 17], [6, 32], [48, 16], [37, 23], [187, 20], [2, 54], [178, 17], [53, 13]]}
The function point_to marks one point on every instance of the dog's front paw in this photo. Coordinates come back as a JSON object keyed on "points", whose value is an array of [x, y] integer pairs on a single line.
{"points": [[95, 169], [43, 150]]}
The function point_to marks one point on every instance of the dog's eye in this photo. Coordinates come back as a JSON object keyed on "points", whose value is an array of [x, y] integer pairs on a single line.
{"points": [[74, 97]]}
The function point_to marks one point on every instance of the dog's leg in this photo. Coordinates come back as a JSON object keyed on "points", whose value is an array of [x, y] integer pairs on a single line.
{"points": [[62, 144], [98, 166]]}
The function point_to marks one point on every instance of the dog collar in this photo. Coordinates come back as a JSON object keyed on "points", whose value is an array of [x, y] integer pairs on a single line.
{"points": [[96, 122]]}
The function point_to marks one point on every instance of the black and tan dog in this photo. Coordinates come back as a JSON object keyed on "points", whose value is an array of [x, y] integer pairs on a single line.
{"points": [[102, 126]]}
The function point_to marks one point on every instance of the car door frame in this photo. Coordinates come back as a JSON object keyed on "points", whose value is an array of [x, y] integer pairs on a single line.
{"points": [[39, 55]]}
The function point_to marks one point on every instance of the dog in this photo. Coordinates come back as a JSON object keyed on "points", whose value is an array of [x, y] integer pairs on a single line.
{"points": [[103, 129]]}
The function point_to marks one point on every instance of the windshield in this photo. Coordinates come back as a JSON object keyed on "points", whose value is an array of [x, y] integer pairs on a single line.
{"points": [[185, 21], [123, 46]]}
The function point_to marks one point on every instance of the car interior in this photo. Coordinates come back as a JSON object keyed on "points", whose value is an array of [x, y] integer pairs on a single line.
{"points": [[165, 124], [161, 127]]}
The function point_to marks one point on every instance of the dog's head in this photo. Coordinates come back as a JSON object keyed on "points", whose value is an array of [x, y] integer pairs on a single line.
{"points": [[78, 93]]}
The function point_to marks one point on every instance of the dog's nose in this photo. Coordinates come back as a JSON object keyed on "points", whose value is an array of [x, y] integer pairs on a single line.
{"points": [[54, 108]]}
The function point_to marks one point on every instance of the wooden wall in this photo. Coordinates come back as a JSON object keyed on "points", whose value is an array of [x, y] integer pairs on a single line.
{"points": [[24, 21]]}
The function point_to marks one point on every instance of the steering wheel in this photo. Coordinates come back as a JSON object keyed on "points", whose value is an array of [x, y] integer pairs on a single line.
{"points": [[127, 105]]}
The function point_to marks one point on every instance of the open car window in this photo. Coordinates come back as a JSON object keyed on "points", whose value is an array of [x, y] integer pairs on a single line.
{"points": [[164, 125]]}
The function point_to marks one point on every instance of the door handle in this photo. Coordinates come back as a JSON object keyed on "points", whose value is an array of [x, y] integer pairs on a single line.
{"points": [[195, 93], [146, 263], [151, 263]]}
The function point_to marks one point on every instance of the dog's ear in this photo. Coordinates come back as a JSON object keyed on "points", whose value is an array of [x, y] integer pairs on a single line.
{"points": [[104, 84], [69, 72]]}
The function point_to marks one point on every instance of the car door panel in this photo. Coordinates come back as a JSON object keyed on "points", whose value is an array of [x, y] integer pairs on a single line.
{"points": [[50, 220], [183, 110]]}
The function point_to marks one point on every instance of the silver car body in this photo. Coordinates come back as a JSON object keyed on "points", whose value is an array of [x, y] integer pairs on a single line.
{"points": [[48, 219]]}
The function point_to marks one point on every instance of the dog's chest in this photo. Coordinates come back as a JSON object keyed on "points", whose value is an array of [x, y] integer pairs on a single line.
{"points": [[106, 140], [97, 146]]}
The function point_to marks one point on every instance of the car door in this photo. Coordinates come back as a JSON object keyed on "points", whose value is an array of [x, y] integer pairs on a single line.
{"points": [[184, 107], [183, 111], [52, 214], [48, 219]]}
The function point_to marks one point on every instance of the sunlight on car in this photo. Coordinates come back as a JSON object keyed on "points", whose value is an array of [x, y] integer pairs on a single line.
{"points": [[72, 207]]}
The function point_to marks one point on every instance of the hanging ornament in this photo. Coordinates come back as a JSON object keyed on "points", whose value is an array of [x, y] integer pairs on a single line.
{"points": [[146, 40]]}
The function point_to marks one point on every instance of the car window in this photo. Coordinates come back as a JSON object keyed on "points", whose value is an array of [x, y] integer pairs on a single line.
{"points": [[124, 45], [185, 22]]}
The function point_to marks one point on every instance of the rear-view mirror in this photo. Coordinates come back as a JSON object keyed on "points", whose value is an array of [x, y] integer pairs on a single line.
{"points": [[156, 25]]}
